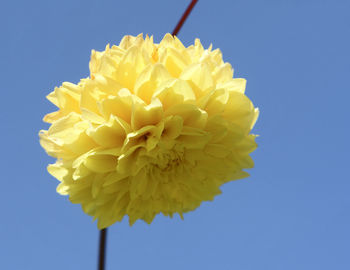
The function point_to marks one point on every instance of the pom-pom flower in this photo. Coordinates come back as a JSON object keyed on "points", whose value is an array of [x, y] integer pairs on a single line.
{"points": [[156, 128]]}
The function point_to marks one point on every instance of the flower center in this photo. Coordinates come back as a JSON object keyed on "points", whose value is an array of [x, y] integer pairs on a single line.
{"points": [[169, 160]]}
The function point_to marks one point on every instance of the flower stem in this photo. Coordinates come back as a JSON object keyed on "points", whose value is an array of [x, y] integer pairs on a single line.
{"points": [[184, 17], [102, 254]]}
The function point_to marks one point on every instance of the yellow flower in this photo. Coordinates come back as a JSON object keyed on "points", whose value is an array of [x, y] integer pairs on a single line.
{"points": [[156, 128]]}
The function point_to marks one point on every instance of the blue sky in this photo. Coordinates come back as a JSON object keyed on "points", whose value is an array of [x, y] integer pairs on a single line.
{"points": [[292, 213]]}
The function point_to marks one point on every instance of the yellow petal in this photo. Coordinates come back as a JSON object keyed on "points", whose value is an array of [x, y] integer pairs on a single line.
{"points": [[217, 150], [54, 147], [129, 41], [101, 163], [174, 60], [193, 138], [223, 73], [147, 115], [97, 184], [172, 127], [67, 98], [240, 110], [110, 134], [130, 67], [120, 105], [216, 102], [217, 127], [57, 170], [192, 116], [199, 77], [174, 92], [147, 137], [149, 80], [237, 85]]}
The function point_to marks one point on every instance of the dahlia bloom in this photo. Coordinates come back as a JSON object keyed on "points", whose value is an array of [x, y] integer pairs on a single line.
{"points": [[156, 128]]}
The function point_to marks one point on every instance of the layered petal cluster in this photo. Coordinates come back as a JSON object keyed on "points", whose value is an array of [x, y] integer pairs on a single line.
{"points": [[155, 128]]}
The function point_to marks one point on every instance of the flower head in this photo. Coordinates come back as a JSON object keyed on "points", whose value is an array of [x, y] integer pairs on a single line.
{"points": [[156, 128]]}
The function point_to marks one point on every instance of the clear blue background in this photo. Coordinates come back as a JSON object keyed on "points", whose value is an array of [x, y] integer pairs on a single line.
{"points": [[292, 213]]}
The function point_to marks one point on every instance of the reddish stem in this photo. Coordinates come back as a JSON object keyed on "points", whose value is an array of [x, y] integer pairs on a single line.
{"points": [[184, 17], [102, 249]]}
